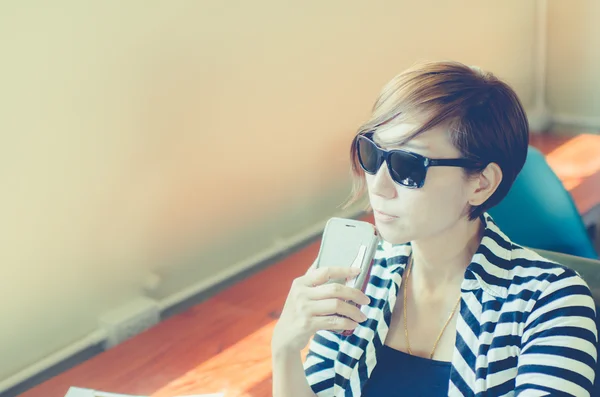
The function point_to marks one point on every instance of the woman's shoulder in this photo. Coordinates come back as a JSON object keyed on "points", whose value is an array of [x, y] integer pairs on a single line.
{"points": [[526, 259], [511, 269], [535, 272]]}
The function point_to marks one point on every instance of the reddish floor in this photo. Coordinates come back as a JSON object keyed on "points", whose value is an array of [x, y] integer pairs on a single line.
{"points": [[223, 343], [576, 161]]}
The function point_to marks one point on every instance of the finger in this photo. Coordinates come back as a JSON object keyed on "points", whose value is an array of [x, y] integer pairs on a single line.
{"points": [[333, 323], [322, 275], [338, 291], [336, 307]]}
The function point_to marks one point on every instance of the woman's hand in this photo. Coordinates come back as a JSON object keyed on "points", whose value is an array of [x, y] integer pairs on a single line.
{"points": [[312, 305]]}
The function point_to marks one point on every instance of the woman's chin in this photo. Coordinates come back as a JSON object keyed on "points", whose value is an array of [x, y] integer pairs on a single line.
{"points": [[391, 233]]}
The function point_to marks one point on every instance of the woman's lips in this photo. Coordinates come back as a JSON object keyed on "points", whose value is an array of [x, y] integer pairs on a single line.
{"points": [[382, 216]]}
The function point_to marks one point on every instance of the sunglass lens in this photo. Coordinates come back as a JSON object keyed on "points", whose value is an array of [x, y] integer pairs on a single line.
{"points": [[368, 155], [406, 170]]}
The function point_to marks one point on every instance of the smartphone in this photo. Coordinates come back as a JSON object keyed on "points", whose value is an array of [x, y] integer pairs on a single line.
{"points": [[349, 243]]}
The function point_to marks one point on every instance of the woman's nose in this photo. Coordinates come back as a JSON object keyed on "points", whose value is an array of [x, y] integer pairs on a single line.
{"points": [[382, 184]]}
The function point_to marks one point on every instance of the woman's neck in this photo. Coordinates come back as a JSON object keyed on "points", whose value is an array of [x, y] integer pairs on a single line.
{"points": [[442, 260]]}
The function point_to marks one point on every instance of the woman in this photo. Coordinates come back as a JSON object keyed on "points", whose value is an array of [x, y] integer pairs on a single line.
{"points": [[453, 307]]}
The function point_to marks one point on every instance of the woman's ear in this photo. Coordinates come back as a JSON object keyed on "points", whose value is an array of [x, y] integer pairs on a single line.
{"points": [[485, 184]]}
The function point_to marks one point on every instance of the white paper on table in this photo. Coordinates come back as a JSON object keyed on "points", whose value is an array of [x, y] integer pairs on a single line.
{"points": [[80, 392]]}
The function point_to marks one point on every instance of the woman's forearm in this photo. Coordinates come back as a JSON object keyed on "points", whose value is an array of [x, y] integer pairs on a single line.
{"points": [[288, 376]]}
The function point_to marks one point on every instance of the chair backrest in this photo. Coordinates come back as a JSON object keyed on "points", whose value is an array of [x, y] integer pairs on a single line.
{"points": [[539, 212]]}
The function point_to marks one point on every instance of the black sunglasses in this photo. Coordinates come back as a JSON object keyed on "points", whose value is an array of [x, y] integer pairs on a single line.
{"points": [[406, 168]]}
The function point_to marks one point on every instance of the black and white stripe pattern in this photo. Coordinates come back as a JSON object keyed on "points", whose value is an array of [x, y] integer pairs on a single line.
{"points": [[526, 327]]}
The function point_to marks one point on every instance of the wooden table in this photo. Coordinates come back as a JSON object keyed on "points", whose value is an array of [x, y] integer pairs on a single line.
{"points": [[223, 343]]}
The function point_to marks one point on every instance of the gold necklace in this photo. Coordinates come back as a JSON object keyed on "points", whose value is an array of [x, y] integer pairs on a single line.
{"points": [[408, 268]]}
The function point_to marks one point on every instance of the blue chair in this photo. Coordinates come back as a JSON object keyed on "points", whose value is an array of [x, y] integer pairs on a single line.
{"points": [[539, 212]]}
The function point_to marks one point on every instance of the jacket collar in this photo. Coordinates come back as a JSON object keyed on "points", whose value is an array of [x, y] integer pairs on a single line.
{"points": [[490, 265]]}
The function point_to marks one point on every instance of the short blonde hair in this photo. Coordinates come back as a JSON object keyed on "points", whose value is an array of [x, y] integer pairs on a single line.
{"points": [[485, 117]]}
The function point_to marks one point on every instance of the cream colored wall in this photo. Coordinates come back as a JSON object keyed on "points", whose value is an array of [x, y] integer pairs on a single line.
{"points": [[573, 64], [179, 137]]}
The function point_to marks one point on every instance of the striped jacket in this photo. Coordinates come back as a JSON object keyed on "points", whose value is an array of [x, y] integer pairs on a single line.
{"points": [[526, 327]]}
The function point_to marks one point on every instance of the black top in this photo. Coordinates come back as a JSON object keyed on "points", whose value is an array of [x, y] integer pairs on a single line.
{"points": [[400, 374]]}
